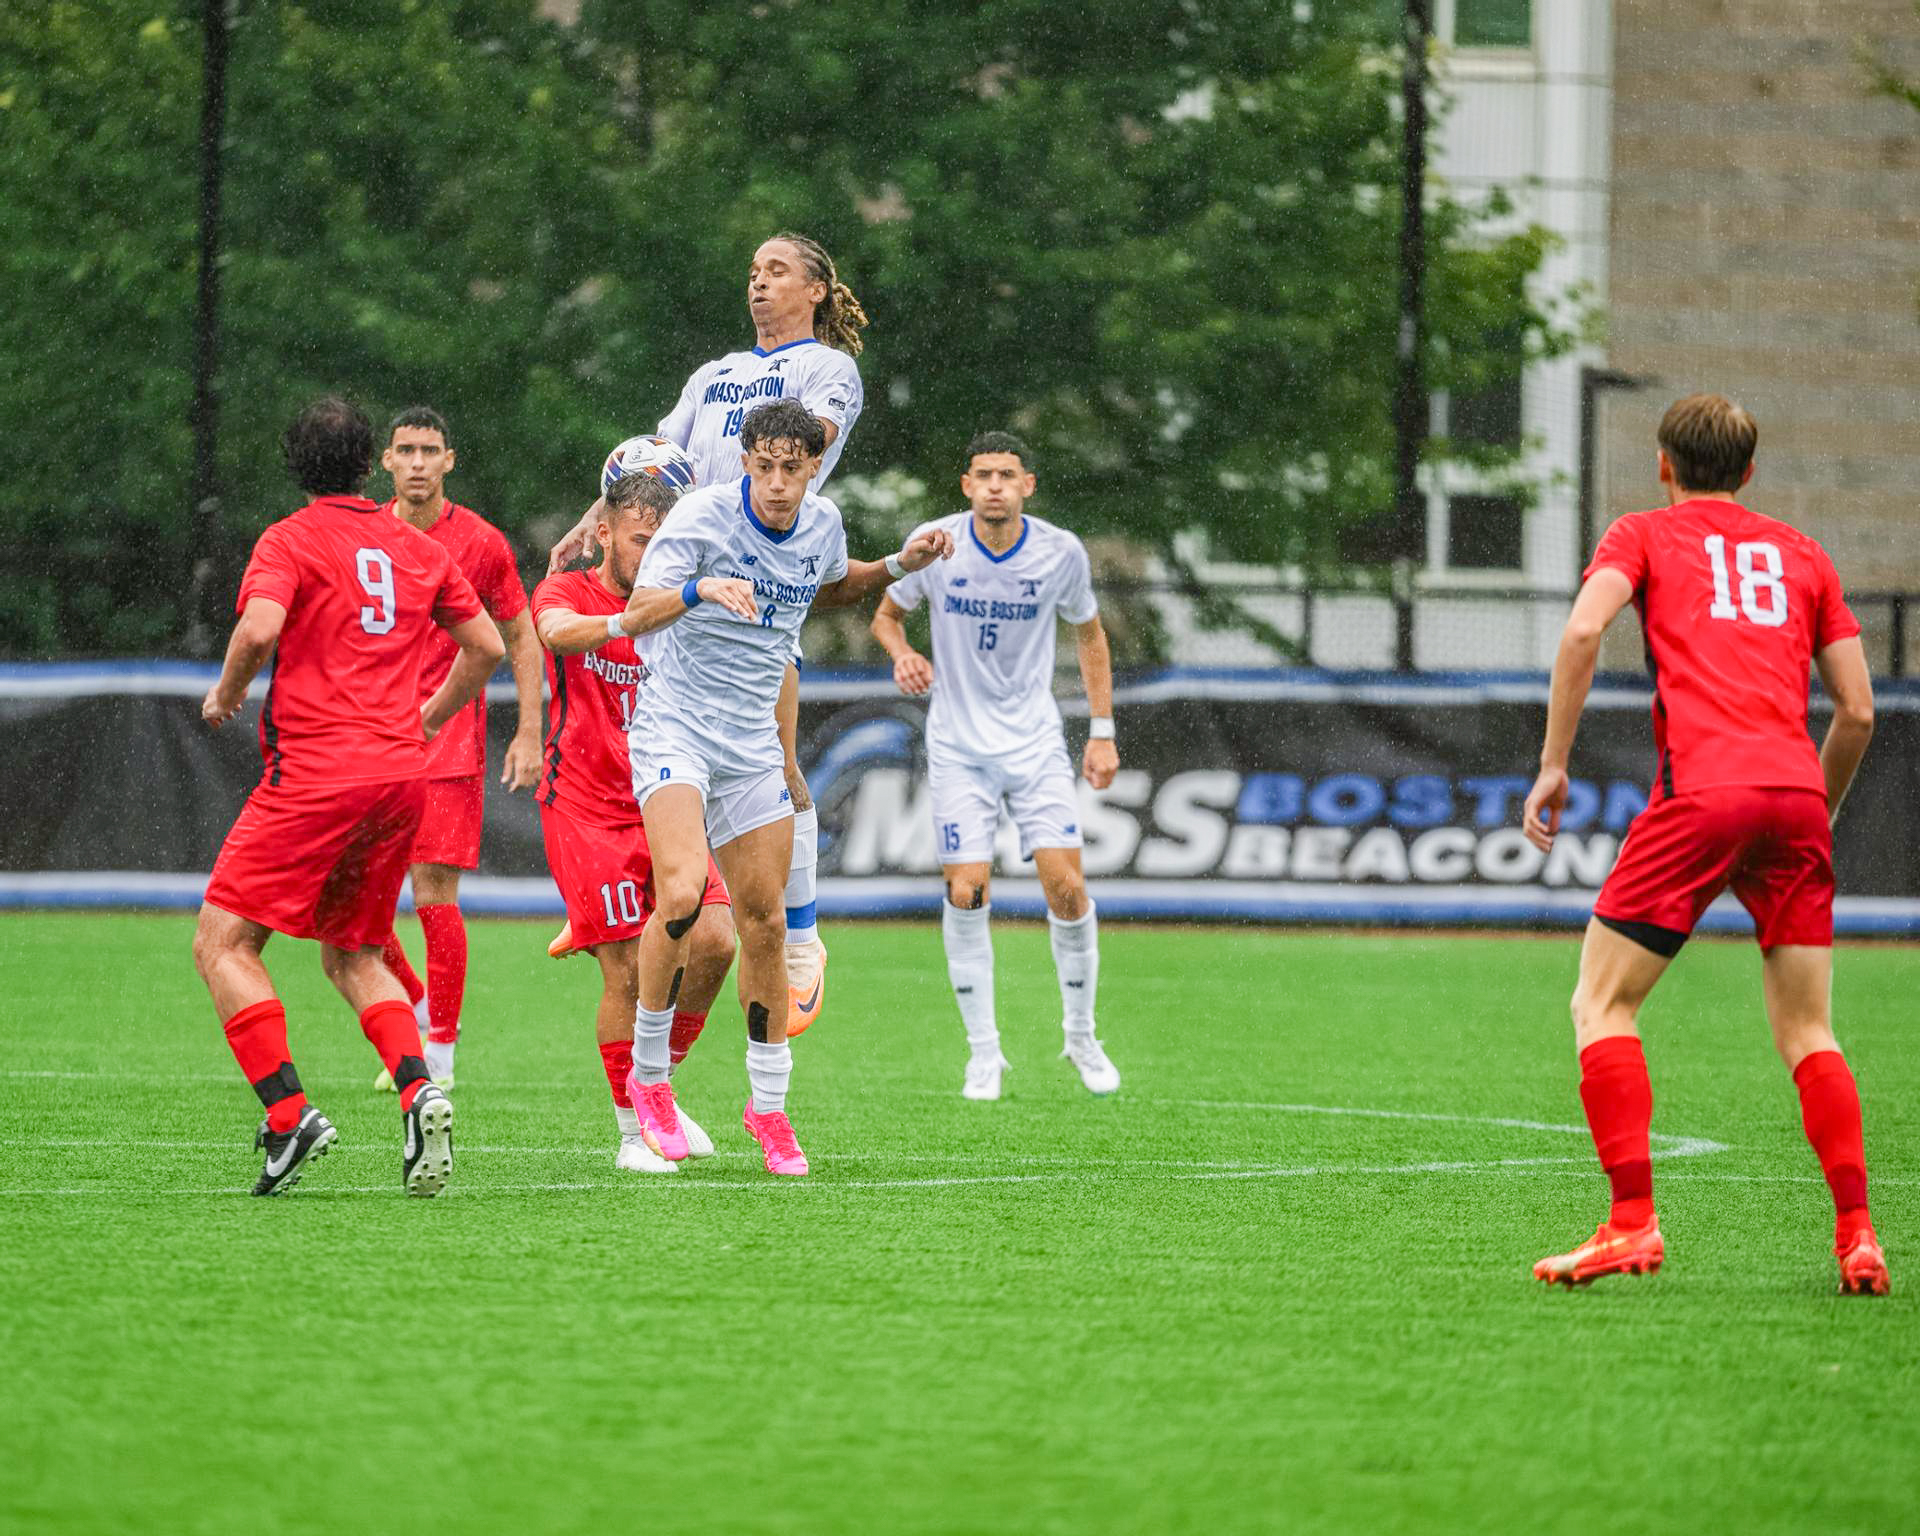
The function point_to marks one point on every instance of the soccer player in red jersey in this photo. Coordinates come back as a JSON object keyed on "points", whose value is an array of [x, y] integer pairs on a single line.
{"points": [[419, 454], [596, 842], [1734, 606], [344, 597]]}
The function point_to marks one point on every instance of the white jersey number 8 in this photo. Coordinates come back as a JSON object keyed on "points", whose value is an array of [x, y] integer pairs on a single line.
{"points": [[375, 568], [1763, 595]]}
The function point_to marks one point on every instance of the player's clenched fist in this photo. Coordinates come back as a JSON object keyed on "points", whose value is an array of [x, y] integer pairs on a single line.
{"points": [[1100, 762], [216, 709], [1545, 801], [913, 674], [925, 547]]}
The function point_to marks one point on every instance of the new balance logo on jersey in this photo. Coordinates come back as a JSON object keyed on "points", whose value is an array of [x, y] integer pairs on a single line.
{"points": [[1071, 829], [723, 373], [958, 581], [749, 559]]}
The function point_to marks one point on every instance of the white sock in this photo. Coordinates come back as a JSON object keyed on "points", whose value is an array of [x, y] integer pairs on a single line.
{"points": [[652, 1055], [420, 1016], [628, 1120], [1076, 957], [806, 853], [439, 1058], [970, 970], [768, 1069]]}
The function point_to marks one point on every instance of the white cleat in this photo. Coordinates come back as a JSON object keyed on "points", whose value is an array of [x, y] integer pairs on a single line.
{"points": [[699, 1143], [1087, 1054], [635, 1156], [983, 1077]]}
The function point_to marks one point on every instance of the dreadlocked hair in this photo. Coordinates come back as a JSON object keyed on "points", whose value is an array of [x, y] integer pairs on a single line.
{"points": [[838, 319]]}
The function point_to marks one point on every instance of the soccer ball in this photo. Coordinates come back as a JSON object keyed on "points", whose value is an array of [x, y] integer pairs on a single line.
{"points": [[647, 455]]}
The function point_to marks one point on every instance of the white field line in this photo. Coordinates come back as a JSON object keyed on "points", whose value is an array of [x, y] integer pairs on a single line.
{"points": [[1670, 1146]]}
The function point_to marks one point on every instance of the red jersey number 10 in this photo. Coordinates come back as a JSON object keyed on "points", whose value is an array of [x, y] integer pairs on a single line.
{"points": [[1763, 595], [375, 569]]}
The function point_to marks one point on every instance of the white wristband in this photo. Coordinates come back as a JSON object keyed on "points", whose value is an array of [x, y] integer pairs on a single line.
{"points": [[894, 568], [1100, 727], [614, 631]]}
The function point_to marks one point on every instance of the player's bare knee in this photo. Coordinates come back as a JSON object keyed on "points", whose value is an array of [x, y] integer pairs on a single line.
{"points": [[712, 939], [966, 894]]}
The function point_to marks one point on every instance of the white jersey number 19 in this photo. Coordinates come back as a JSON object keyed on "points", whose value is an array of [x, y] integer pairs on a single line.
{"points": [[1763, 595]]}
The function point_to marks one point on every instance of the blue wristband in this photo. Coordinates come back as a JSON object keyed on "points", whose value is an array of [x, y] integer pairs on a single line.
{"points": [[690, 593]]}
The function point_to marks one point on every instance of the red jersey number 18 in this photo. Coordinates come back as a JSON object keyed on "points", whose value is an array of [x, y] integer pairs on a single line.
{"points": [[375, 569], [1763, 595]]}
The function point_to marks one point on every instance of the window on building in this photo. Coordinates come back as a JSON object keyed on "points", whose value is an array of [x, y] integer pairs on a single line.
{"points": [[1485, 533], [1493, 23]]}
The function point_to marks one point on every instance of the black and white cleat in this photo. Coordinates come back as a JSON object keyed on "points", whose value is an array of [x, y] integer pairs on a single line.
{"points": [[426, 1161], [288, 1152]]}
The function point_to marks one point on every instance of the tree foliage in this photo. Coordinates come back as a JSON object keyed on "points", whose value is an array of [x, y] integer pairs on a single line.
{"points": [[1158, 238]]}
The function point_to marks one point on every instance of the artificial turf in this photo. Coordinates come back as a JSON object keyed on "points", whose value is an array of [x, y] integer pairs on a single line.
{"points": [[1211, 1304]]}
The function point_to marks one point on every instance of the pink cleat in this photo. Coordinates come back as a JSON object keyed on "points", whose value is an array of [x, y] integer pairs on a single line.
{"points": [[659, 1119], [774, 1132]]}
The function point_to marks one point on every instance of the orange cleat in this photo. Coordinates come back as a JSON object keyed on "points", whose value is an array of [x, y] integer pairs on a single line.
{"points": [[561, 944], [1863, 1267], [1610, 1251], [806, 985]]}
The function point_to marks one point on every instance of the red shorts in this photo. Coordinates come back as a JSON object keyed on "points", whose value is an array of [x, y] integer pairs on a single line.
{"points": [[320, 863], [450, 830], [605, 876], [1773, 846]]}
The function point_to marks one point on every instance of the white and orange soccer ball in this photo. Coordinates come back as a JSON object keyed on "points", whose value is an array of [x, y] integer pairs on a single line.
{"points": [[647, 455]]}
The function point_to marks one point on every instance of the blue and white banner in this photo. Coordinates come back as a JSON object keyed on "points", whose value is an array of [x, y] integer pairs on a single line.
{"points": [[1263, 797]]}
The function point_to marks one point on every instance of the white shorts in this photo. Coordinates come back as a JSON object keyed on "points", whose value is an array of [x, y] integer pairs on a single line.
{"points": [[1040, 792], [738, 798]]}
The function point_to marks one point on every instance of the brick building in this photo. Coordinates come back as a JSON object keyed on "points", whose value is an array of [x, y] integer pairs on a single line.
{"points": [[1764, 241]]}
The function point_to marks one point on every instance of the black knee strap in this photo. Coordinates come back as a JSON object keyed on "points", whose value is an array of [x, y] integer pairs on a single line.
{"points": [[679, 927]]}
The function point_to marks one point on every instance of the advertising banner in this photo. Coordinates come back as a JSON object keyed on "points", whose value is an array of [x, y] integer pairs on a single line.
{"points": [[1272, 796]]}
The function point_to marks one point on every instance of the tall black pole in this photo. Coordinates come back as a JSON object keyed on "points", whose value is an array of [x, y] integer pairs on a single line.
{"points": [[202, 616], [1410, 388]]}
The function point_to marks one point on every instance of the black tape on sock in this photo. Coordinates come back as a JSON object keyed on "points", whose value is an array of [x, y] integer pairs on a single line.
{"points": [[412, 1069], [281, 1083]]}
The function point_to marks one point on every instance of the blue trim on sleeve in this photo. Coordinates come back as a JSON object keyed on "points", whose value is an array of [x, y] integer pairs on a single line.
{"points": [[1026, 527]]}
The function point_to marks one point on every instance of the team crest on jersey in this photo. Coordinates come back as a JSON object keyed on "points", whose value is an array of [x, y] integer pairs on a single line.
{"points": [[776, 365], [812, 563], [1029, 588]]}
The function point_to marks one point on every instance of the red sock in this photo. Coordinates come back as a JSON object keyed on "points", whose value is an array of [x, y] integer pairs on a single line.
{"points": [[397, 962], [617, 1057], [258, 1038], [686, 1030], [390, 1025], [1830, 1110], [1619, 1099], [446, 932]]}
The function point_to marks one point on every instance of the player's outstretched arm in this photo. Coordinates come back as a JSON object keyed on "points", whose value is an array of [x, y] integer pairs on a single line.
{"points": [[912, 672], [522, 766], [578, 539], [481, 650], [248, 648], [651, 608], [1607, 591], [1843, 673], [1101, 761], [866, 577]]}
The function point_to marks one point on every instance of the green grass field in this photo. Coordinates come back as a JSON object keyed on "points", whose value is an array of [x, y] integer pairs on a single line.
{"points": [[1280, 1283]]}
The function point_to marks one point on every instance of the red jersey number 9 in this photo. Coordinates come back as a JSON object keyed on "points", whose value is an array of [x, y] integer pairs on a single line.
{"points": [[375, 569], [1763, 595]]}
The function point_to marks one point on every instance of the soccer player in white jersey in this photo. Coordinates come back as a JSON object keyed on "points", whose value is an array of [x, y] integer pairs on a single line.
{"points": [[807, 326], [727, 583], [993, 734]]}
